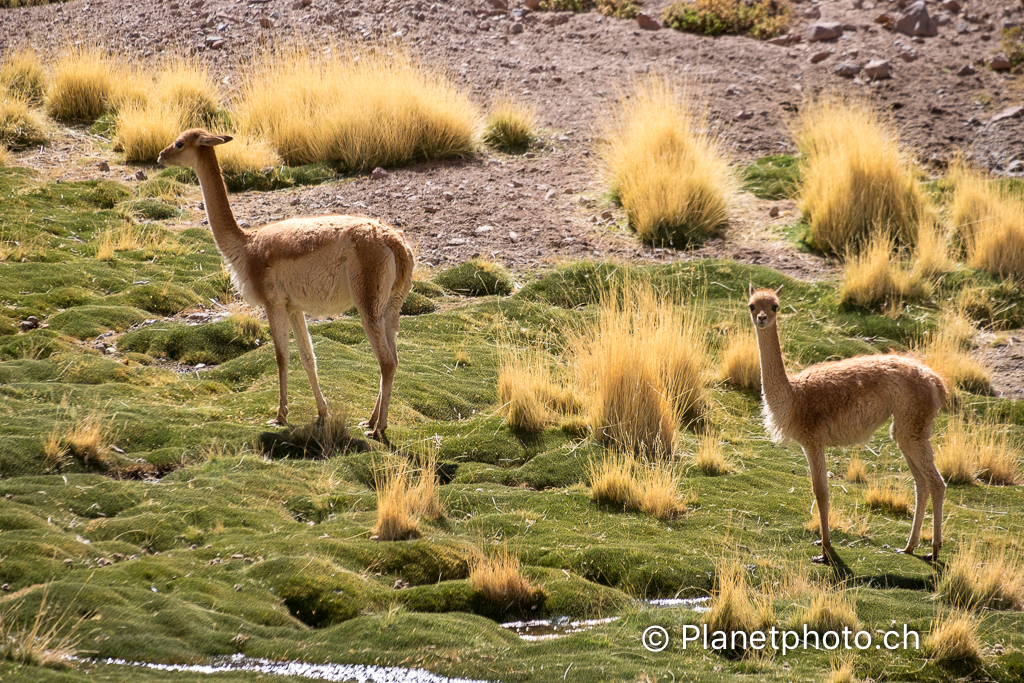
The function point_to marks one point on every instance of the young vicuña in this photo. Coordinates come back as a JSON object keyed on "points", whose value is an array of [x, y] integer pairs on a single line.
{"points": [[322, 265], [842, 403]]}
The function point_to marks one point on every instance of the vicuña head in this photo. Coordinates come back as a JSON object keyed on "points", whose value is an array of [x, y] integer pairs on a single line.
{"points": [[843, 403], [322, 265]]}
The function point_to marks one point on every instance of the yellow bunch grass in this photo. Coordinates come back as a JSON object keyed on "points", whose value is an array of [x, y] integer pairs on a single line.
{"points": [[528, 392], [856, 471], [246, 154], [360, 109], [653, 488], [954, 639], [511, 124], [945, 352], [931, 256], [22, 75], [732, 607], [983, 577], [186, 84], [642, 366], [888, 495], [396, 517], [831, 608], [499, 579], [874, 277], [988, 222], [143, 130], [83, 85], [710, 456], [667, 169], [20, 124], [6, 159], [855, 180], [970, 451], [741, 364]]}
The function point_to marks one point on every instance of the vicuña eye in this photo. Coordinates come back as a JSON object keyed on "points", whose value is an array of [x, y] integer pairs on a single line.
{"points": [[775, 307], [178, 145], [751, 307]]}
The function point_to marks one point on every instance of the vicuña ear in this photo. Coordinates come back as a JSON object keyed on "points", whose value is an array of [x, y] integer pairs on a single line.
{"points": [[214, 140], [751, 290], [779, 290]]}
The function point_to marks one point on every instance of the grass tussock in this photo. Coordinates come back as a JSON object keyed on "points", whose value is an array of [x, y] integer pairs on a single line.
{"points": [[733, 608], [642, 366], [22, 75], [841, 672], [85, 82], [988, 222], [186, 83], [709, 457], [838, 520], [358, 110], [874, 277], [396, 517], [20, 124], [889, 496], [246, 154], [529, 394], [499, 579], [144, 129], [931, 257], [954, 639], [856, 471], [741, 364], [511, 125], [831, 608], [760, 19], [48, 641], [652, 488], [855, 180], [667, 170], [946, 352], [6, 159], [977, 577], [86, 441]]}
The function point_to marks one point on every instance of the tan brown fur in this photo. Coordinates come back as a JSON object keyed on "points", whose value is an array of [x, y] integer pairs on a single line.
{"points": [[843, 403], [321, 265]]}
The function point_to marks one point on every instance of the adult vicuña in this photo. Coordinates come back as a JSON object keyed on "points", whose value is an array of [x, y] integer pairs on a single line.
{"points": [[322, 265], [843, 403]]}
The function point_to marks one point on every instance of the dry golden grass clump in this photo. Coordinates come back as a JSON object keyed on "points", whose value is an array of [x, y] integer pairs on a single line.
{"points": [[642, 368], [84, 84], [144, 129], [710, 456], [890, 496], [50, 640], [530, 396], [873, 277], [741, 364], [856, 471], [499, 579], [841, 672], [988, 222], [954, 639], [22, 75], [732, 607], [667, 170], [838, 520], [931, 256], [831, 608], [246, 154], [511, 126], [358, 109], [979, 577], [855, 180], [187, 84], [6, 159], [20, 124], [945, 352], [653, 487], [404, 496]]}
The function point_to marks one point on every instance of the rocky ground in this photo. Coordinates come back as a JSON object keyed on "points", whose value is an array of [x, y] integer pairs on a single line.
{"points": [[547, 205]]}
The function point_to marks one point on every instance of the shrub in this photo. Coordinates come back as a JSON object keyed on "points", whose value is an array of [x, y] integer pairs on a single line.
{"points": [[874, 277], [510, 127], [20, 125], [476, 278], [855, 181], [83, 84], [618, 9], [761, 18], [359, 110], [976, 577], [666, 169], [22, 75], [988, 223]]}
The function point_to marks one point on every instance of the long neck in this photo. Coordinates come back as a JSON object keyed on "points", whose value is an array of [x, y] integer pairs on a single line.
{"points": [[229, 236], [775, 386]]}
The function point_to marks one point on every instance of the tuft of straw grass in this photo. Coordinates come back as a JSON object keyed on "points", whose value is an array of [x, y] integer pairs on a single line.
{"points": [[732, 609], [841, 672], [357, 109], [978, 577], [20, 125], [855, 180], [653, 488], [49, 641], [956, 457], [85, 441], [873, 277], [246, 154], [832, 608], [83, 84], [741, 364], [511, 126], [945, 352], [396, 518], [526, 389], [954, 639], [667, 170], [144, 129], [838, 520], [890, 496], [185, 84], [22, 75], [856, 471], [6, 159], [55, 451], [710, 457], [499, 579], [988, 222], [931, 252]]}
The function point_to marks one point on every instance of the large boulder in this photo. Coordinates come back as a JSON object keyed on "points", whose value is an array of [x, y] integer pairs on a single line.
{"points": [[915, 21]]}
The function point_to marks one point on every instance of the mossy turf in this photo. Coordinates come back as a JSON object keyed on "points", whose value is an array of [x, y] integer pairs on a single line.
{"points": [[184, 540]]}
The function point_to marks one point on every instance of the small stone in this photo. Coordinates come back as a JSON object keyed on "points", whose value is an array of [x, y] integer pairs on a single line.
{"points": [[734, 90], [493, 162], [878, 69], [550, 195], [103, 166], [238, 587], [825, 31], [512, 235], [447, 196], [744, 115], [400, 584], [1008, 113], [379, 173], [785, 40], [5, 587], [943, 20], [1015, 166], [820, 57], [773, 212], [647, 22], [908, 55], [915, 21], [887, 19], [607, 215], [812, 13], [950, 6], [999, 63], [266, 22], [516, 28], [847, 69], [29, 323], [498, 4], [484, 229], [141, 175], [967, 70]]}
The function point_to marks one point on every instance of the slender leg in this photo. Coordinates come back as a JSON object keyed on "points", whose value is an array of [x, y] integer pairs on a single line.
{"points": [[921, 492], [819, 484], [388, 361], [278, 320], [305, 344], [938, 493]]}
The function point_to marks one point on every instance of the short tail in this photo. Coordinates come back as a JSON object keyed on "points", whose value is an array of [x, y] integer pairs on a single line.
{"points": [[404, 265]]}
